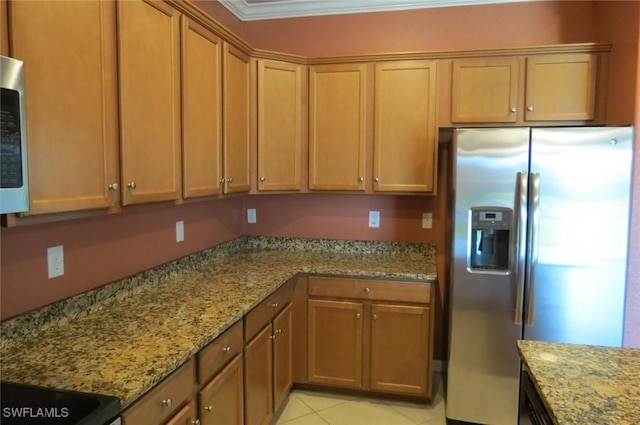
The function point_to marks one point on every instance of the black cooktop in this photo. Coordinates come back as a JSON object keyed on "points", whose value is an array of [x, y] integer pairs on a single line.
{"points": [[22, 404]]}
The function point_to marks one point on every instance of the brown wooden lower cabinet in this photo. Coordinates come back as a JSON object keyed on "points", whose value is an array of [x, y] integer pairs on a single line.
{"points": [[221, 401], [370, 335], [188, 415]]}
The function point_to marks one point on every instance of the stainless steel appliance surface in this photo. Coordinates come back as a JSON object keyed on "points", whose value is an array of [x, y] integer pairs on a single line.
{"points": [[539, 251], [33, 405], [14, 181]]}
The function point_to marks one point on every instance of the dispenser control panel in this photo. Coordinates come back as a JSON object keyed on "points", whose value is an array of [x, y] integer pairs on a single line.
{"points": [[489, 239]]}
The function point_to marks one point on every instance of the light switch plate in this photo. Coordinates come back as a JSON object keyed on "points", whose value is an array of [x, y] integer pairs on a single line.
{"points": [[179, 231], [374, 218], [251, 215], [55, 261], [427, 220]]}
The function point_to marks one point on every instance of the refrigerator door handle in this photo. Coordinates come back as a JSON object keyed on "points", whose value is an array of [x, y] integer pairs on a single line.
{"points": [[532, 248], [521, 234]]}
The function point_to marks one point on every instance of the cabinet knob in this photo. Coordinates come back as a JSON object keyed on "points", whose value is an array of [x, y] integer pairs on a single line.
{"points": [[377, 180], [230, 180], [360, 179], [227, 349], [375, 317], [263, 179], [358, 315], [132, 185], [613, 141], [209, 408], [529, 108], [114, 186], [196, 422], [367, 290], [167, 402], [221, 181], [514, 110], [272, 336], [278, 331], [274, 305]]}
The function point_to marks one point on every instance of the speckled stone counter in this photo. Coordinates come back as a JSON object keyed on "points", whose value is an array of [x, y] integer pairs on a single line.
{"points": [[582, 384], [124, 338]]}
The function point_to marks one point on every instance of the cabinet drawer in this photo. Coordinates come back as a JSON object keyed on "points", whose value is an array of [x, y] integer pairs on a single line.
{"points": [[264, 312], [164, 399], [213, 357], [364, 289]]}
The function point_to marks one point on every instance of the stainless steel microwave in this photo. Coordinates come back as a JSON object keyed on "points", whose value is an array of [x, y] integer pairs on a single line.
{"points": [[14, 177]]}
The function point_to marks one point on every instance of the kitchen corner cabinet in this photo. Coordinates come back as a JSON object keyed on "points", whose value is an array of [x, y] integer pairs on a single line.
{"points": [[70, 53], [536, 88], [268, 356], [337, 127], [370, 335], [149, 71], [236, 119], [279, 126], [201, 111], [405, 145]]}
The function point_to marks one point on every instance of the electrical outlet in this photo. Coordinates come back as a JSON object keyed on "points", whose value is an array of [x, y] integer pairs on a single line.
{"points": [[179, 231], [427, 220], [374, 218], [251, 216], [55, 261]]}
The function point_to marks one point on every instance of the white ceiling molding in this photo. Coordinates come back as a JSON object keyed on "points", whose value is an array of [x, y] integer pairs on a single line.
{"points": [[255, 10]]}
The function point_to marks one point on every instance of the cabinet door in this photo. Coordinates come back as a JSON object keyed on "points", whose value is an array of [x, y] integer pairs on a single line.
{"points": [[282, 356], [405, 131], [201, 113], [258, 379], [561, 87], [279, 125], [236, 115], [186, 416], [485, 90], [400, 349], [335, 343], [69, 49], [221, 401], [149, 65], [337, 127]]}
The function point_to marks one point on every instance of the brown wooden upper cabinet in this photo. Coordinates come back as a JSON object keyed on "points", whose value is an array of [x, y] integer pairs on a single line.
{"points": [[337, 127], [553, 87], [279, 126], [72, 127], [561, 87], [201, 111], [236, 119], [405, 130], [149, 71]]}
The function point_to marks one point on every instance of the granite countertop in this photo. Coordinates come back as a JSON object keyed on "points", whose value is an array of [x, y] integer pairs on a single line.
{"points": [[145, 328], [582, 384]]}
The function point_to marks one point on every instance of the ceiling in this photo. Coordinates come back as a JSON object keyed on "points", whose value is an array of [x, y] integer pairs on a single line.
{"points": [[254, 10]]}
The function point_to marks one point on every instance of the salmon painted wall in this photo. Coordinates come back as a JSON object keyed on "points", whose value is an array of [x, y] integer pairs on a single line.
{"points": [[103, 249]]}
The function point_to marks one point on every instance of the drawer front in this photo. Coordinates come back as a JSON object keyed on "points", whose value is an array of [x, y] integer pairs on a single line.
{"points": [[365, 289], [164, 399], [223, 349], [264, 312]]}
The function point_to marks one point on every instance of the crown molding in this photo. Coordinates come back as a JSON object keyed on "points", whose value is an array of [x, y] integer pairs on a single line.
{"points": [[277, 9]]}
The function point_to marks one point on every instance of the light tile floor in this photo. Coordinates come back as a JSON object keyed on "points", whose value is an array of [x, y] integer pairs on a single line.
{"points": [[314, 408]]}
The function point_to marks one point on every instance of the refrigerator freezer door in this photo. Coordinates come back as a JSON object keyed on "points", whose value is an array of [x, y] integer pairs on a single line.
{"points": [[484, 368], [577, 288]]}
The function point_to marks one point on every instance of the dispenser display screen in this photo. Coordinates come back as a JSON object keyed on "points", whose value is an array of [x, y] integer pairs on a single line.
{"points": [[490, 216]]}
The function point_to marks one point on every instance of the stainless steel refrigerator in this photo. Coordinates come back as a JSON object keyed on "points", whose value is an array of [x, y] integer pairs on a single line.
{"points": [[539, 251]]}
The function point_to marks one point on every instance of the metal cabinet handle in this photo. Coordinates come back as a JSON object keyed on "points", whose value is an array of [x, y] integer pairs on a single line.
{"points": [[377, 180], [274, 305], [227, 349], [375, 317], [263, 179], [196, 422], [367, 290], [167, 402], [530, 108], [132, 185], [514, 110], [358, 315], [114, 186], [278, 331], [221, 181], [272, 336], [208, 408], [360, 179], [230, 180]]}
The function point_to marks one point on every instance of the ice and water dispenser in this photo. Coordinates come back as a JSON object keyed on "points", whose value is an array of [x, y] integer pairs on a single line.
{"points": [[490, 234]]}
